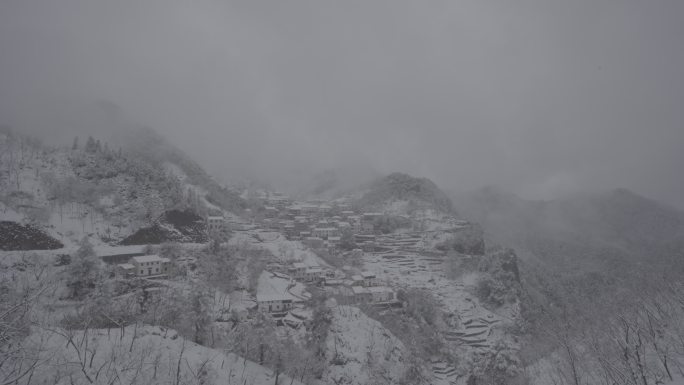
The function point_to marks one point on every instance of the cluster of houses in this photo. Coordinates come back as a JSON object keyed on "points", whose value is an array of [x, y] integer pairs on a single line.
{"points": [[316, 223], [322, 225], [364, 287], [282, 292]]}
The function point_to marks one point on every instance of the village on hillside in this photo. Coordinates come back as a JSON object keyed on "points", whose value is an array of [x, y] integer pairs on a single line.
{"points": [[330, 250], [397, 286]]}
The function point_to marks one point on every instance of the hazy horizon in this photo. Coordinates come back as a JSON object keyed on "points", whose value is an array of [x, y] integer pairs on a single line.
{"points": [[541, 98]]}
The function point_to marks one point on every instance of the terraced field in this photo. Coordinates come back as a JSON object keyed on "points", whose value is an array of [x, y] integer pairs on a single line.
{"points": [[443, 373], [405, 265]]}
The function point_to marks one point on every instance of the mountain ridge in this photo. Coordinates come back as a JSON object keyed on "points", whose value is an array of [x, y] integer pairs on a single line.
{"points": [[108, 195], [615, 233], [417, 193]]}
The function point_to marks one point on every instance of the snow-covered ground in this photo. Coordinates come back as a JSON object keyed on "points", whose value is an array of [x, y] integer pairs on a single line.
{"points": [[475, 327], [356, 340], [201, 192], [275, 285], [284, 250], [140, 355]]}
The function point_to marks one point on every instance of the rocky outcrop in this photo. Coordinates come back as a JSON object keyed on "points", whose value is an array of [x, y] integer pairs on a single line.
{"points": [[15, 236], [468, 240], [173, 226], [509, 263]]}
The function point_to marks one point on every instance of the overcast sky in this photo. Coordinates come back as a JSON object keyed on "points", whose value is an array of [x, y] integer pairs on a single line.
{"points": [[542, 97]]}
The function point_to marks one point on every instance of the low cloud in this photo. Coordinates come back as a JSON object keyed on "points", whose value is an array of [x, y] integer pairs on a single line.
{"points": [[539, 97]]}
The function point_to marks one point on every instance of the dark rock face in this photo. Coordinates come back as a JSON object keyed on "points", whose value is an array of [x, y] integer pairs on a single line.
{"points": [[14, 236], [152, 235], [469, 241], [173, 226], [470, 248], [509, 263], [186, 222]]}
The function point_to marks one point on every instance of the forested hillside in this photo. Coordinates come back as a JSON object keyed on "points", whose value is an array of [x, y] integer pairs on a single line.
{"points": [[107, 193], [411, 193], [601, 274]]}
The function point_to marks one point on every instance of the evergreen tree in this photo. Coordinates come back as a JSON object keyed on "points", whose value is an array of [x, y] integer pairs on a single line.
{"points": [[200, 308], [75, 145], [84, 270], [90, 145]]}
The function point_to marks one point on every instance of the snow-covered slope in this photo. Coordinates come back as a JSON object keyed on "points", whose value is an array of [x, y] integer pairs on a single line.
{"points": [[401, 194], [137, 355], [361, 351], [102, 193]]}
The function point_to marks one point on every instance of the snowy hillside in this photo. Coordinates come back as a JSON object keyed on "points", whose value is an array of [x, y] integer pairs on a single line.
{"points": [[362, 351], [108, 195], [403, 194], [136, 354], [434, 312]]}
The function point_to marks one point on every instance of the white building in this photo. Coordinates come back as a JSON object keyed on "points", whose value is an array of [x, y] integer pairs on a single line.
{"points": [[334, 241], [365, 279], [147, 265], [126, 270], [381, 294], [298, 270], [273, 303], [278, 293], [369, 279], [325, 232], [313, 274], [376, 294], [217, 227]]}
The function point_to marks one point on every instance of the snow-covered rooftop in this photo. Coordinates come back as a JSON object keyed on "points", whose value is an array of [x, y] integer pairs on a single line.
{"points": [[284, 297], [359, 290], [278, 288], [150, 258], [379, 289]]}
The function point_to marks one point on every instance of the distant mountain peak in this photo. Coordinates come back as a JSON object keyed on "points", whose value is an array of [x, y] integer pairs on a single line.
{"points": [[397, 186]]}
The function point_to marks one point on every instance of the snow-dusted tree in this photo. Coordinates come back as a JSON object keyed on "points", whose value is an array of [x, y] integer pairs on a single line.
{"points": [[200, 307], [83, 272], [38, 265], [347, 241], [219, 270], [17, 360], [90, 145], [257, 341], [255, 266]]}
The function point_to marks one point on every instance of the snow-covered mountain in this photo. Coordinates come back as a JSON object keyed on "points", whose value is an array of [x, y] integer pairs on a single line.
{"points": [[590, 232], [598, 271], [108, 194], [404, 194]]}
